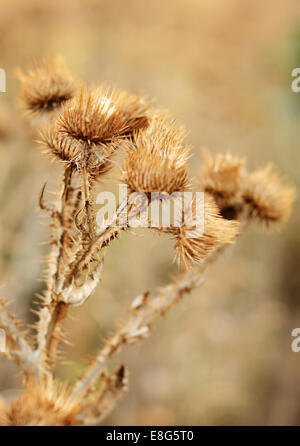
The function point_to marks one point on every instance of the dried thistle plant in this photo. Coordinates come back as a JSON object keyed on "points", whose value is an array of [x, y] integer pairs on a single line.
{"points": [[157, 159], [47, 86], [88, 126], [242, 195]]}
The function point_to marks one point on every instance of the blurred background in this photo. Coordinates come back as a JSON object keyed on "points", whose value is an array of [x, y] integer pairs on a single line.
{"points": [[223, 69]]}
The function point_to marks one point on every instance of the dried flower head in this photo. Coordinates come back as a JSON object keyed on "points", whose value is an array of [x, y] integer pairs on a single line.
{"points": [[92, 126], [196, 245], [267, 196], [157, 159], [44, 404], [102, 117], [241, 195], [58, 146], [46, 87], [222, 176]]}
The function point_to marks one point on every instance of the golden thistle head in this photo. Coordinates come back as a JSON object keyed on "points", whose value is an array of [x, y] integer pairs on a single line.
{"points": [[156, 160], [93, 125], [267, 197], [46, 87], [222, 177], [102, 117], [44, 404], [241, 195], [196, 245]]}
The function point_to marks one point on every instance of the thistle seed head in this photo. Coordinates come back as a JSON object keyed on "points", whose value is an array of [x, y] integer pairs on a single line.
{"points": [[92, 126], [58, 146], [217, 232], [222, 176], [102, 117], [268, 198], [44, 404], [46, 87], [157, 159], [241, 195]]}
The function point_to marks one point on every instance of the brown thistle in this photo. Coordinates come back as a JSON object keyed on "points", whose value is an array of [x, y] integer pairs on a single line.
{"points": [[157, 160], [89, 129], [46, 87], [94, 122], [241, 195], [44, 404], [102, 117], [84, 136], [222, 176], [57, 145], [268, 197], [195, 245]]}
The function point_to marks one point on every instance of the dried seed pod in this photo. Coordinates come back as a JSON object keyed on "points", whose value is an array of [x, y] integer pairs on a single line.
{"points": [[147, 172], [196, 245], [44, 404], [164, 133], [241, 195], [46, 87], [157, 161], [92, 126], [58, 146], [267, 196], [102, 117], [222, 176]]}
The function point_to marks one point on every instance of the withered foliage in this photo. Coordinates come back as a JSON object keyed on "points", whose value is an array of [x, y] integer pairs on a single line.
{"points": [[86, 128]]}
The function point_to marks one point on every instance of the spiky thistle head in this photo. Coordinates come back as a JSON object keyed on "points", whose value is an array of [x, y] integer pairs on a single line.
{"points": [[222, 176], [47, 86], [44, 404], [196, 244], [241, 195], [156, 160], [93, 125], [57, 146], [103, 116], [267, 196]]}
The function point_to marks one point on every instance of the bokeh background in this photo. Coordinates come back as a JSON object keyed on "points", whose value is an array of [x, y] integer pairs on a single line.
{"points": [[222, 68]]}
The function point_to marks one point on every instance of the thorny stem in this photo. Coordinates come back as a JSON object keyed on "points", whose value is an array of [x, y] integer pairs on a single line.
{"points": [[86, 192], [48, 324], [110, 390], [58, 313], [119, 221], [24, 354], [57, 310], [145, 309], [47, 345]]}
